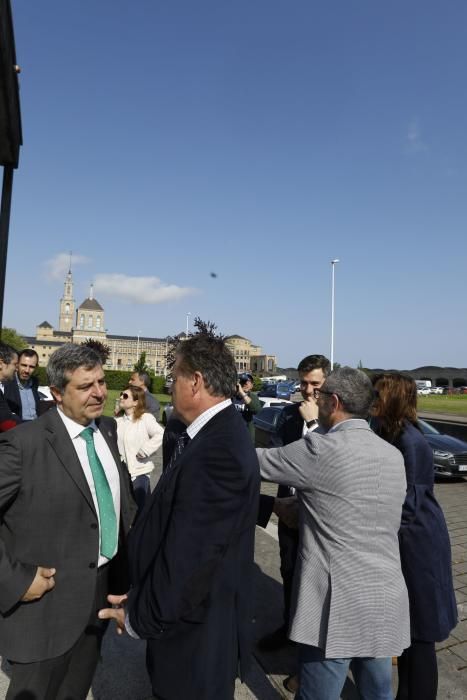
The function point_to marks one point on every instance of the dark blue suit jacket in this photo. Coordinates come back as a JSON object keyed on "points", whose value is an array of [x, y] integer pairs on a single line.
{"points": [[191, 562], [13, 397]]}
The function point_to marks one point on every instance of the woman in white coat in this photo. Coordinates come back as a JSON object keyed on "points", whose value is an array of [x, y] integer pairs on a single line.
{"points": [[139, 438]]}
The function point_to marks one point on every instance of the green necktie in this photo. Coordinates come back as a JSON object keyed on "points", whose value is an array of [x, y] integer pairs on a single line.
{"points": [[107, 518]]}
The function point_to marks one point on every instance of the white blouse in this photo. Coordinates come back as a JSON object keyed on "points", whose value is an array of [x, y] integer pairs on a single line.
{"points": [[144, 434]]}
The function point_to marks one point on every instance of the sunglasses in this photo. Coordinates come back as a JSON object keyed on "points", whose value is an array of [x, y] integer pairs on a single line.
{"points": [[124, 395]]}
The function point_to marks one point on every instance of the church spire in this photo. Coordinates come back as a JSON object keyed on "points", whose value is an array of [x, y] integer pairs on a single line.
{"points": [[67, 304]]}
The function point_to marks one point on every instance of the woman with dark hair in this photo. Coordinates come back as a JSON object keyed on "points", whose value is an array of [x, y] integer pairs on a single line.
{"points": [[139, 437], [423, 539]]}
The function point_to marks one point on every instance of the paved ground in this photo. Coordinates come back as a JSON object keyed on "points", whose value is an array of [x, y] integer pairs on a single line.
{"points": [[122, 676]]}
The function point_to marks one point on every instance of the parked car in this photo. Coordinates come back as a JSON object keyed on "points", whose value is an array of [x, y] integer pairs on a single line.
{"points": [[267, 401], [268, 390], [424, 391], [266, 425], [46, 399], [436, 390], [449, 453], [285, 389]]}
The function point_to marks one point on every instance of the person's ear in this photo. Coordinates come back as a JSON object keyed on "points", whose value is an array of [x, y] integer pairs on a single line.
{"points": [[197, 382], [56, 394]]}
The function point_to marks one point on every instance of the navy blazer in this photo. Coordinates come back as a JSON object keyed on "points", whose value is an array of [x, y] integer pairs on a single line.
{"points": [[424, 544], [191, 563]]}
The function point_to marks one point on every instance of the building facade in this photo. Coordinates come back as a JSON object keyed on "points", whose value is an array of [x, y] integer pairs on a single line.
{"points": [[249, 357], [76, 325]]}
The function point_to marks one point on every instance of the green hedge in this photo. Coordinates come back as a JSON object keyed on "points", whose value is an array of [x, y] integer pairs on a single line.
{"points": [[115, 379]]}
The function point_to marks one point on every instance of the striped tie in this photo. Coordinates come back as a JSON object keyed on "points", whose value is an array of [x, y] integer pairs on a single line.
{"points": [[108, 520], [181, 443]]}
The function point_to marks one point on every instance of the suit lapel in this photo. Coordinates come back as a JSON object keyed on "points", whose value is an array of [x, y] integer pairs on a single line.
{"points": [[111, 439], [58, 438]]}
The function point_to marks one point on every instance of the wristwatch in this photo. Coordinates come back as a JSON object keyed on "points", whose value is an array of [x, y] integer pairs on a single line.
{"points": [[311, 423]]}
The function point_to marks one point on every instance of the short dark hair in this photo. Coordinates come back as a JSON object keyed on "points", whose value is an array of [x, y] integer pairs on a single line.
{"points": [[28, 352], [66, 360], [7, 353], [354, 389], [145, 378], [311, 362], [212, 358], [244, 378]]}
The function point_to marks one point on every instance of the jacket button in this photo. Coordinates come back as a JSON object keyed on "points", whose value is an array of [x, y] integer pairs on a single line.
{"points": [[92, 565], [94, 526]]}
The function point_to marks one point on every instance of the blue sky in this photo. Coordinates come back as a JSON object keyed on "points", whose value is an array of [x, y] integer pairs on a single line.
{"points": [[257, 139]]}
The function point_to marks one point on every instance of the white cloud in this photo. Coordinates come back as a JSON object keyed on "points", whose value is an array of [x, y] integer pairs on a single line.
{"points": [[415, 143], [140, 290], [57, 267]]}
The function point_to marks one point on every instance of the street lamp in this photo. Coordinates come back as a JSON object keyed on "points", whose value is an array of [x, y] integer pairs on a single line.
{"points": [[187, 321], [333, 264]]}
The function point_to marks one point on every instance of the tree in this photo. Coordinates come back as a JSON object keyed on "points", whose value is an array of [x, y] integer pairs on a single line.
{"points": [[206, 327], [102, 349], [141, 366], [13, 338]]}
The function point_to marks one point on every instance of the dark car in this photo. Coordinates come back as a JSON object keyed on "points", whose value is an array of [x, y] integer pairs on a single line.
{"points": [[268, 390], [449, 453], [266, 425], [285, 389]]}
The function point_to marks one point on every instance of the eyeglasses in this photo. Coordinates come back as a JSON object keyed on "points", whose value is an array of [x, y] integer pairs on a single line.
{"points": [[317, 392], [124, 395]]}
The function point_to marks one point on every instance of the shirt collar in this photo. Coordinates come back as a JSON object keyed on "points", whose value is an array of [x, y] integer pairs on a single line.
{"points": [[74, 429], [26, 385], [347, 420], [199, 422]]}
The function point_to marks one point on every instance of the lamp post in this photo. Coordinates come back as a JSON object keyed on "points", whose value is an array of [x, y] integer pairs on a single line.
{"points": [[187, 321], [333, 264]]}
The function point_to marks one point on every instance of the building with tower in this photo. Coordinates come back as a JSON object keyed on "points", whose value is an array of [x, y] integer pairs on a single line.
{"points": [[76, 325]]}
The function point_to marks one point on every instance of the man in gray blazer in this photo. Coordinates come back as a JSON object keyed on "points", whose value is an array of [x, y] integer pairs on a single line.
{"points": [[349, 598], [65, 507]]}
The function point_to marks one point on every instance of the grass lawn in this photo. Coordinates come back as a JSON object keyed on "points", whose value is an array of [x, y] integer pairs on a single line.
{"points": [[113, 394], [455, 404]]}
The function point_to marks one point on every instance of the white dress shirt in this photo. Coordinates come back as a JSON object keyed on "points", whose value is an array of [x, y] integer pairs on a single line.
{"points": [[107, 460]]}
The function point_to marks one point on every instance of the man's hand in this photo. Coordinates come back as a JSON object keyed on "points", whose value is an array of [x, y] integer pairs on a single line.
{"points": [[43, 582], [116, 612], [286, 510], [308, 410]]}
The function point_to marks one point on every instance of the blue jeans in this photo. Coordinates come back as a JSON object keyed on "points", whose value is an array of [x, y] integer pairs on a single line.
{"points": [[323, 679]]}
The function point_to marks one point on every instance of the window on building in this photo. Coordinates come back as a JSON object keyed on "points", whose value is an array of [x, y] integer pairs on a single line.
{"points": [[81, 321], [67, 308], [90, 321], [98, 323]]}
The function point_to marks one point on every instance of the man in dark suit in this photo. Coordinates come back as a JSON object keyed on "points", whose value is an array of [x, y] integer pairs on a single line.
{"points": [[21, 392], [191, 550], [65, 507], [8, 365], [295, 421]]}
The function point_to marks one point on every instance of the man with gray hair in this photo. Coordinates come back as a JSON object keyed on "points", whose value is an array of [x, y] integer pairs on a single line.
{"points": [[349, 599], [65, 507], [191, 550]]}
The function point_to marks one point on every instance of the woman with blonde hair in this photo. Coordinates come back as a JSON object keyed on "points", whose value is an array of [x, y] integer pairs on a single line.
{"points": [[139, 438], [423, 538]]}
